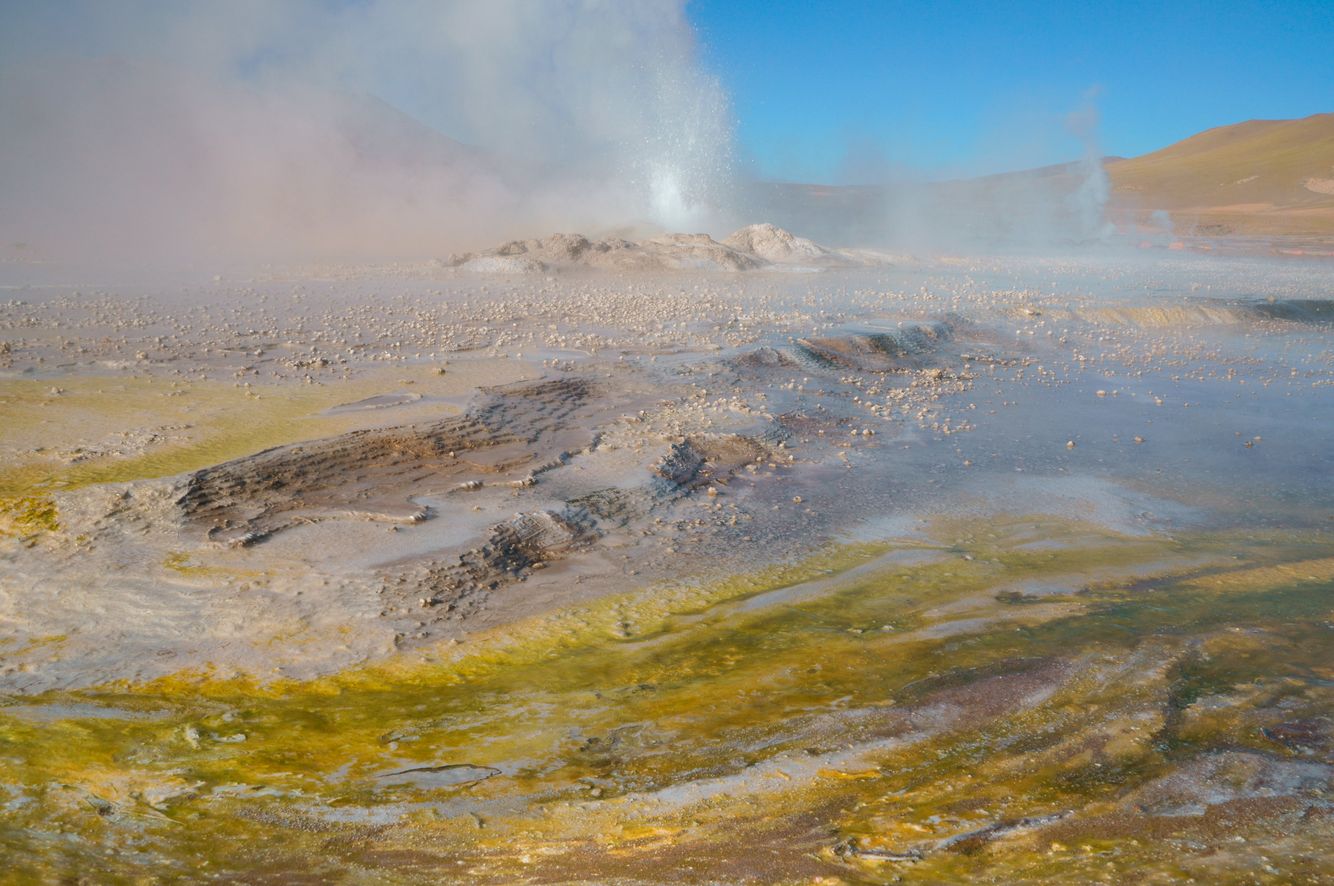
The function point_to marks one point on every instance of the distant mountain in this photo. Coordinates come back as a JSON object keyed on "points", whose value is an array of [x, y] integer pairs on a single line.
{"points": [[1258, 177]]}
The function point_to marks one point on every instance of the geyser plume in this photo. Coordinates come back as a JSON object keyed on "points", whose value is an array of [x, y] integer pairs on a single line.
{"points": [[688, 164], [155, 131]]}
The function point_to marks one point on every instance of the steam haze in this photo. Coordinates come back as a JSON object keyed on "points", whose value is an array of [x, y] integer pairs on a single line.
{"points": [[165, 133], [153, 131]]}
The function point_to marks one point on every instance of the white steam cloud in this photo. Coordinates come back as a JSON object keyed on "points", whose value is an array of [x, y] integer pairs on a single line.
{"points": [[1089, 200], [358, 128]]}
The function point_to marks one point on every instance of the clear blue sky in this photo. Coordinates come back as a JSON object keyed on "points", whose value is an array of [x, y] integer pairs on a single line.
{"points": [[856, 90]]}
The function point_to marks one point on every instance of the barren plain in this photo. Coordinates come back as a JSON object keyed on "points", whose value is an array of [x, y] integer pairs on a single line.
{"points": [[679, 561]]}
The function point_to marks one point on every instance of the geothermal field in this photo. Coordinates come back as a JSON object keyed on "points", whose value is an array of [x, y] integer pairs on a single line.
{"points": [[677, 560], [645, 442]]}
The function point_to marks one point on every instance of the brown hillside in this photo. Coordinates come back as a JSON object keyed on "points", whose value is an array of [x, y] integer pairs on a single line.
{"points": [[1257, 177]]}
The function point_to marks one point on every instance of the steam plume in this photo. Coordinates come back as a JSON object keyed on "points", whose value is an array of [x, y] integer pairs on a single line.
{"points": [[314, 128]]}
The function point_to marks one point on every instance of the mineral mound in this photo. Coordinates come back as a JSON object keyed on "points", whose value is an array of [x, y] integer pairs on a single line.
{"points": [[752, 247]]}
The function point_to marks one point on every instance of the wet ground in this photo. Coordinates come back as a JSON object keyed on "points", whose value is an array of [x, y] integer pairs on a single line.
{"points": [[1004, 569]]}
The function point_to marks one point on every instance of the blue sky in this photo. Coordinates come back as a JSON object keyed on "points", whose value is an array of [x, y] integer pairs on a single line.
{"points": [[855, 90]]}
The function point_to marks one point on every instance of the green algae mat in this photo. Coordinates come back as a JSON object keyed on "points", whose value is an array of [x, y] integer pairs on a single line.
{"points": [[1017, 701]]}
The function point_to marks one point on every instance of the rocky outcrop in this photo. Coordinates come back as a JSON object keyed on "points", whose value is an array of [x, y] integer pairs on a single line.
{"points": [[910, 347], [510, 553], [372, 474]]}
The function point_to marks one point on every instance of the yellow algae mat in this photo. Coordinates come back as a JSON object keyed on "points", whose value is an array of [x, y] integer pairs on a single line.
{"points": [[1019, 700]]}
